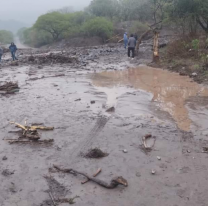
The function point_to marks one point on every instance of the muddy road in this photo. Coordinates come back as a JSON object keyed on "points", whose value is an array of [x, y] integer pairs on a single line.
{"points": [[73, 98]]}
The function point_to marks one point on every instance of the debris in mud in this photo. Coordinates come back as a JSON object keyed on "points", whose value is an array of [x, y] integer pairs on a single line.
{"points": [[77, 100], [95, 153], [52, 58], [68, 200], [7, 172], [95, 175], [16, 141], [92, 102], [159, 158], [14, 63], [111, 109], [9, 87], [113, 183], [30, 133], [145, 147], [205, 149], [4, 158], [153, 172]]}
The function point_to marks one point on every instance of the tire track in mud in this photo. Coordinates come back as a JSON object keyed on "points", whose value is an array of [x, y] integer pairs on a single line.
{"points": [[197, 183], [90, 138]]}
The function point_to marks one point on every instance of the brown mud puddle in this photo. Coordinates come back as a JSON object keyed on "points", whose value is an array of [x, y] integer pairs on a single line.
{"points": [[170, 90]]}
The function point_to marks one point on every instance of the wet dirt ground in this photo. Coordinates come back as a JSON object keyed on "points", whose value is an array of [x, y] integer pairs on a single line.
{"points": [[146, 101]]}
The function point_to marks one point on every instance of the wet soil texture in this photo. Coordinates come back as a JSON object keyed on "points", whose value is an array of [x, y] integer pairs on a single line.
{"points": [[147, 101]]}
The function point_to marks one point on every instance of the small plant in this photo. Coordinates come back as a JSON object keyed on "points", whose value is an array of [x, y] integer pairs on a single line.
{"points": [[195, 44], [196, 67]]}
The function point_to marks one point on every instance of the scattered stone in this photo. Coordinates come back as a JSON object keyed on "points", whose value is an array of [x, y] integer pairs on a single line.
{"points": [[76, 100], [95, 153], [31, 58], [7, 172], [14, 63], [92, 102], [4, 158], [153, 172], [159, 158], [194, 74], [125, 151]]}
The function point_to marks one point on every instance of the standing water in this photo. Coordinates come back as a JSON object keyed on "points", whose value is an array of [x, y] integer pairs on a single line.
{"points": [[170, 90]]}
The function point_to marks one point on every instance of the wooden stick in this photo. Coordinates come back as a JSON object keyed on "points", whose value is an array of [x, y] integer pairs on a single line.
{"points": [[29, 141], [51, 196], [18, 125], [95, 175]]}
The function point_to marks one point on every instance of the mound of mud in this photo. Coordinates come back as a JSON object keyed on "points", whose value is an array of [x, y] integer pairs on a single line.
{"points": [[95, 153], [9, 87], [52, 58]]}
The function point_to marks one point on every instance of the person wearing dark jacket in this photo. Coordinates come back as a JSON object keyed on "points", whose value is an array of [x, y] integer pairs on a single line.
{"points": [[13, 49], [131, 45]]}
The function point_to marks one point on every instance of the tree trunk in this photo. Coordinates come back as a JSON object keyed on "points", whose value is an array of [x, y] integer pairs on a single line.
{"points": [[156, 57]]}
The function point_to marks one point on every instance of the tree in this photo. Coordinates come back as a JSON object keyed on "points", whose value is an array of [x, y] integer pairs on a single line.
{"points": [[105, 8], [98, 26], [196, 11], [54, 23], [6, 37]]}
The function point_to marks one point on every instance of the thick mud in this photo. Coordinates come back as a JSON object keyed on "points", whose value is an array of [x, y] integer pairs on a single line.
{"points": [[74, 100]]}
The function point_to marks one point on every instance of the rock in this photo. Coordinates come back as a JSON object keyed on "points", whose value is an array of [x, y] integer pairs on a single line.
{"points": [[125, 151], [31, 58], [76, 100], [194, 74], [92, 102], [111, 109], [14, 63], [4, 158], [153, 172], [7, 172], [159, 158]]}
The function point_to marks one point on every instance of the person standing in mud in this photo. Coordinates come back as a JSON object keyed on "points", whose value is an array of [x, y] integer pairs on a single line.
{"points": [[1, 53], [13, 49], [131, 46], [125, 40]]}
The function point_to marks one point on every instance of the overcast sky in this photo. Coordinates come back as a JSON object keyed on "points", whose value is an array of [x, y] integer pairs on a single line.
{"points": [[28, 10]]}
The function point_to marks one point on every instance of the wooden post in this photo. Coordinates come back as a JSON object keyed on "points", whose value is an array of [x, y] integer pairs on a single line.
{"points": [[156, 57]]}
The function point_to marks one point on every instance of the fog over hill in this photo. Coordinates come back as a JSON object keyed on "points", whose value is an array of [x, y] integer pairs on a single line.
{"points": [[27, 11]]}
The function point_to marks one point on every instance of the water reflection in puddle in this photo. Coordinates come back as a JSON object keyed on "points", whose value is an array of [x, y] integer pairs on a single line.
{"points": [[170, 90]]}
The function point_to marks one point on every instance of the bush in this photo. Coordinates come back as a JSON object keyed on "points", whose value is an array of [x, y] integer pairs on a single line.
{"points": [[6, 37], [98, 26], [35, 38]]}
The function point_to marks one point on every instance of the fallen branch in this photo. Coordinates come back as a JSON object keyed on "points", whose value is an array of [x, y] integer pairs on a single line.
{"points": [[52, 198], [113, 184], [95, 175], [16, 141]]}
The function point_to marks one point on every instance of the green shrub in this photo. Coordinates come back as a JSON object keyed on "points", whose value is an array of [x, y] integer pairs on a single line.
{"points": [[98, 26], [195, 44]]}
